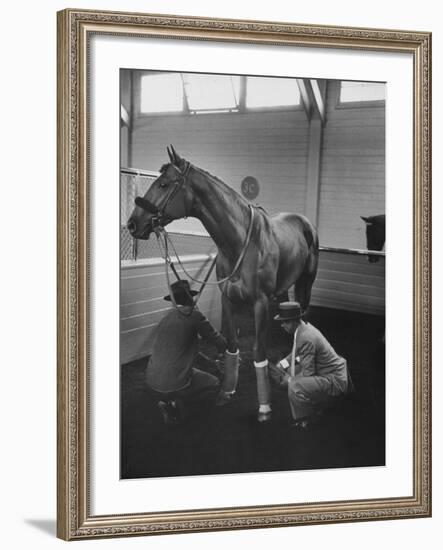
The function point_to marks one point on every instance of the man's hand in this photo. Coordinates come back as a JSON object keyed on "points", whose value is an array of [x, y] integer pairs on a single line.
{"points": [[220, 364], [278, 375]]}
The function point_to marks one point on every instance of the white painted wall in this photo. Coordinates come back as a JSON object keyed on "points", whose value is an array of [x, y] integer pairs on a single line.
{"points": [[271, 146], [352, 177]]}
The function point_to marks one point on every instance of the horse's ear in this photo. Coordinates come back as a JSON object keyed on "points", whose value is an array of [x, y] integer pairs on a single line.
{"points": [[170, 155], [367, 221], [176, 157]]}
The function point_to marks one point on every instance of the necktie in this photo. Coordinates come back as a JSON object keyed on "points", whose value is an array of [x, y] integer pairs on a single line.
{"points": [[294, 346]]}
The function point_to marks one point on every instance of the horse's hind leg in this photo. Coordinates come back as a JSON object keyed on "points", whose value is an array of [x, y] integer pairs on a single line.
{"points": [[303, 290], [303, 286], [291, 293]]}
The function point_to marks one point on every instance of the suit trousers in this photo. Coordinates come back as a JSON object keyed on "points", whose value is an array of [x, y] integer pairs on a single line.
{"points": [[202, 386], [308, 395]]}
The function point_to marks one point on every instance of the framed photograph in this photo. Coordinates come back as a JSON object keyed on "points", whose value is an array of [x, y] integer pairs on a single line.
{"points": [[244, 290]]}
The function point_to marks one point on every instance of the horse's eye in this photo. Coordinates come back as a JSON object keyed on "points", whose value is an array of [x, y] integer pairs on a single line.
{"points": [[164, 184]]}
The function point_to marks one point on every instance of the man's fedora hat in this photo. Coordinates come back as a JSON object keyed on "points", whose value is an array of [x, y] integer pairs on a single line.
{"points": [[180, 289], [288, 311]]}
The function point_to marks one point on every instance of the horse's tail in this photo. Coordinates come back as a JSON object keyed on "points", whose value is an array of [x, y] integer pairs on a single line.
{"points": [[303, 286], [311, 236]]}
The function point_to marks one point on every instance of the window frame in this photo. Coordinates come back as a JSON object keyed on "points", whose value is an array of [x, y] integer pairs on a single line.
{"points": [[361, 104]]}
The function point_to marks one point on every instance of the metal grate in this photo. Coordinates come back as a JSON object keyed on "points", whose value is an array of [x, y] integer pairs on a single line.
{"points": [[133, 183]]}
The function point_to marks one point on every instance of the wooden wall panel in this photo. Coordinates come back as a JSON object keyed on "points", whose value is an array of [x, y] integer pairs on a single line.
{"points": [[142, 305], [349, 282]]}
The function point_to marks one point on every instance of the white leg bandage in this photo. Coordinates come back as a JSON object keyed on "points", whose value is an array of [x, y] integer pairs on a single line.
{"points": [[263, 387], [230, 374]]}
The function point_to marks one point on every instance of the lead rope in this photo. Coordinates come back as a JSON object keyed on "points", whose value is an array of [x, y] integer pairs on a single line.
{"points": [[164, 251], [169, 264], [237, 264]]}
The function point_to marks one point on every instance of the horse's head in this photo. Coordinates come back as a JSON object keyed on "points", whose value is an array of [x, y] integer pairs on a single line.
{"points": [[375, 234], [169, 198]]}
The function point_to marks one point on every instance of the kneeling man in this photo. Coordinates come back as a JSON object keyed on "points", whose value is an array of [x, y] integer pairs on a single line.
{"points": [[171, 370], [313, 373]]}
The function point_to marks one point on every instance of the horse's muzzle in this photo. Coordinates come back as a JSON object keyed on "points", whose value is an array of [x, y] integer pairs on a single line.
{"points": [[131, 226], [136, 232]]}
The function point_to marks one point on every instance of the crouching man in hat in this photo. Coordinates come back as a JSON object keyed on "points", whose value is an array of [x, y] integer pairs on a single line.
{"points": [[171, 372], [313, 374]]}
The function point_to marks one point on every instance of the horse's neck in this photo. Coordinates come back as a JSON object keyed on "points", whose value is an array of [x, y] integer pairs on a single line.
{"points": [[223, 212]]}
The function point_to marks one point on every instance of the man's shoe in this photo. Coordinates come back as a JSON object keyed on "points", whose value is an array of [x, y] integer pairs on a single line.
{"points": [[302, 424], [170, 412]]}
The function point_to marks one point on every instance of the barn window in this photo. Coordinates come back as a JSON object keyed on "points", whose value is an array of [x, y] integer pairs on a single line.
{"points": [[204, 93], [361, 92], [161, 93], [214, 93], [265, 92]]}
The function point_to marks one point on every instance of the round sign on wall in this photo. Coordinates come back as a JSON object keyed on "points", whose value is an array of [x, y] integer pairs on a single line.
{"points": [[250, 187]]}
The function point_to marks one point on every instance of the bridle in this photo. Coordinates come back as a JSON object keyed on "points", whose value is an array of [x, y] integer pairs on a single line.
{"points": [[160, 216]]}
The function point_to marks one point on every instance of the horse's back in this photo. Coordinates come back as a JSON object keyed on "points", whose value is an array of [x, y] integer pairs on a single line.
{"points": [[294, 229], [298, 249]]}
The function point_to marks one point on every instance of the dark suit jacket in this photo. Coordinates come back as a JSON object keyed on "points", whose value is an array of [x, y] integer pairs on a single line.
{"points": [[175, 348]]}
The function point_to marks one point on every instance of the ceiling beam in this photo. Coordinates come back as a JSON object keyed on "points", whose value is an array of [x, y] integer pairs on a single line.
{"points": [[313, 94], [306, 97], [124, 116], [319, 91]]}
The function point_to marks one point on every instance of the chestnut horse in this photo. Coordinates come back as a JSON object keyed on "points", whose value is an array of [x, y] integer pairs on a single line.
{"points": [[259, 257]]}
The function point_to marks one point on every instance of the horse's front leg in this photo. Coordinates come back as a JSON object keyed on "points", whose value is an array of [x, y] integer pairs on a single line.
{"points": [[261, 315], [232, 355]]}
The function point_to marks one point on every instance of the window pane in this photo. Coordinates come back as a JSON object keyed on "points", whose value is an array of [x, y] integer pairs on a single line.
{"points": [[272, 92], [361, 91], [211, 92], [161, 93]]}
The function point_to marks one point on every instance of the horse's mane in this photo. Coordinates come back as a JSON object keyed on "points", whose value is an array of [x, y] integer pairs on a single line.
{"points": [[213, 178], [232, 192]]}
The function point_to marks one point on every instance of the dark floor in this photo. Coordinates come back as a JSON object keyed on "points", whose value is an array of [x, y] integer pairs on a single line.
{"points": [[229, 440]]}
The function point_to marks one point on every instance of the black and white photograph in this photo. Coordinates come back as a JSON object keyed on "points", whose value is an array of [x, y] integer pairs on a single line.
{"points": [[252, 273]]}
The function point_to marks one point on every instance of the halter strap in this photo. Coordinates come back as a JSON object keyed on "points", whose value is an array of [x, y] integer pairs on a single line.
{"points": [[183, 174], [159, 211]]}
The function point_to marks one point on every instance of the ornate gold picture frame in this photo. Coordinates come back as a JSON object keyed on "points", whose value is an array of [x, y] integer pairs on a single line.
{"points": [[76, 517]]}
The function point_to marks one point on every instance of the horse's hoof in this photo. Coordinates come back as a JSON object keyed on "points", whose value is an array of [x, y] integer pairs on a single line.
{"points": [[223, 398], [264, 416]]}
